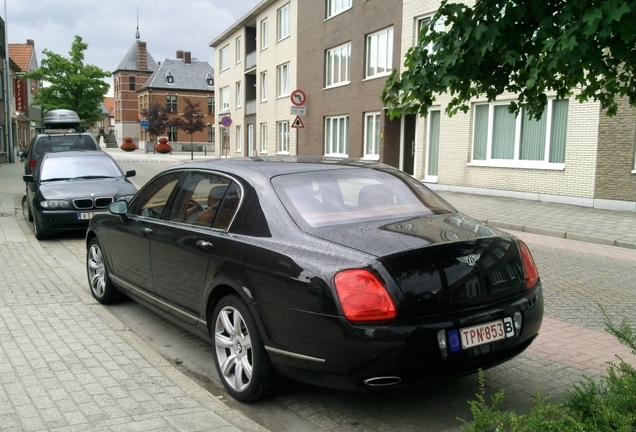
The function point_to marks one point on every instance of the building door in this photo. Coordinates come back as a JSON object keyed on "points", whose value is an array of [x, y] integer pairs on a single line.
{"points": [[407, 164]]}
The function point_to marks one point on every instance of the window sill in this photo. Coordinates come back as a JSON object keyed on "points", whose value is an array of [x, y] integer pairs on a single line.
{"points": [[371, 78], [336, 155], [337, 13], [371, 157], [284, 153], [341, 84], [430, 179], [500, 163], [634, 171]]}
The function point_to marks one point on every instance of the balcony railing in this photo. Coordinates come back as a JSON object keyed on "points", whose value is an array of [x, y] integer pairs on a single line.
{"points": [[250, 61], [250, 107]]}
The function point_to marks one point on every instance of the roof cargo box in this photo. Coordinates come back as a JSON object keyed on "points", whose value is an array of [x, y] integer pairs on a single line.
{"points": [[61, 119]]}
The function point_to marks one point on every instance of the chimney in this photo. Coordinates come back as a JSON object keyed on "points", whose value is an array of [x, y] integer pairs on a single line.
{"points": [[180, 54], [30, 42], [142, 56], [188, 57]]}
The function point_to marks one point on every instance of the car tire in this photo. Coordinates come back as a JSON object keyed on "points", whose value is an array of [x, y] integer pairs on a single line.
{"points": [[239, 354], [40, 234], [101, 286], [25, 203]]}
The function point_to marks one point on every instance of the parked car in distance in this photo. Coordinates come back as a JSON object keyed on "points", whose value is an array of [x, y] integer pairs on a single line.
{"points": [[61, 132], [341, 273], [67, 189]]}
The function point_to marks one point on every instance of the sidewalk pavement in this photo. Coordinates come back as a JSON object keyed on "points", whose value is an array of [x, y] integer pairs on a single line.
{"points": [[68, 364]]}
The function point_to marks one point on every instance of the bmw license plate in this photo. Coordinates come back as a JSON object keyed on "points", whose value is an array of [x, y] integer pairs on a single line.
{"points": [[486, 333], [86, 215]]}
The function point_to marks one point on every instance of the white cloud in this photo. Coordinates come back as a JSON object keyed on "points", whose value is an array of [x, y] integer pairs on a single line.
{"points": [[109, 27]]}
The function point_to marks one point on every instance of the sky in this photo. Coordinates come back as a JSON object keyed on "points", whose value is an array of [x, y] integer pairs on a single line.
{"points": [[109, 26]]}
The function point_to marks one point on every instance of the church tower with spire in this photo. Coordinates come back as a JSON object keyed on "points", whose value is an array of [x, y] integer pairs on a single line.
{"points": [[130, 75]]}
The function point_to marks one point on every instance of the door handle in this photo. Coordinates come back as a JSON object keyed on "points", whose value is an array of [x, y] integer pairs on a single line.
{"points": [[146, 231], [204, 244]]}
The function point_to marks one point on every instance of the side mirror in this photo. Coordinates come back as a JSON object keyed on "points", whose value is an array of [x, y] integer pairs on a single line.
{"points": [[119, 208], [28, 178], [131, 173]]}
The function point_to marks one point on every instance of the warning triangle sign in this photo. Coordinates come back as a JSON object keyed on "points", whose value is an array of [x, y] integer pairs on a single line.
{"points": [[298, 123]]}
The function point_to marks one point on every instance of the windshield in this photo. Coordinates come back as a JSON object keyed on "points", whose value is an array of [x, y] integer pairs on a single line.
{"points": [[79, 167], [59, 143], [334, 197]]}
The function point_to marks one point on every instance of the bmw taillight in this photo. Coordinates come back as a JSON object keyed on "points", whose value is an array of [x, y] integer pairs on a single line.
{"points": [[363, 297], [529, 267], [31, 164]]}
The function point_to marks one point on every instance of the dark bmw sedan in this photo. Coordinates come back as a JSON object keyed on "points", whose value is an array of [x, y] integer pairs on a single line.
{"points": [[341, 273], [67, 189]]}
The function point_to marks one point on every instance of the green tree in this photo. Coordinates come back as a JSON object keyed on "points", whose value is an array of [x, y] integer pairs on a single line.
{"points": [[71, 84], [191, 122], [529, 48], [158, 120]]}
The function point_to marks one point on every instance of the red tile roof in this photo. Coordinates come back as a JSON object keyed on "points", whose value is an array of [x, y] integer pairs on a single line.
{"points": [[109, 103], [21, 55]]}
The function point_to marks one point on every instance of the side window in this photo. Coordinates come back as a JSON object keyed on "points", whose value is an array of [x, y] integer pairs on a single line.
{"points": [[228, 208], [199, 199], [152, 202]]}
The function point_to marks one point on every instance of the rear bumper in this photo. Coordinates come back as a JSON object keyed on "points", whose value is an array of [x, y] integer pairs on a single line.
{"points": [[345, 356]]}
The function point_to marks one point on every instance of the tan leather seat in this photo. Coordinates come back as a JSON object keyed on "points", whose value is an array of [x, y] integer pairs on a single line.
{"points": [[206, 216]]}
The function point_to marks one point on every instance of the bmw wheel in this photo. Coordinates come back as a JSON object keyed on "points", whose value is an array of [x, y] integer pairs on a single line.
{"points": [[39, 232], [239, 354], [102, 287]]}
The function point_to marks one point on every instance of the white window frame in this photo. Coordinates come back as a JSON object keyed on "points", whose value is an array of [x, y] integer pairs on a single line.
{"points": [[379, 49], [282, 80], [239, 96], [515, 162], [224, 57], [426, 20], [338, 148], [264, 138], [239, 139], [283, 21], [263, 88], [429, 130], [224, 99], [282, 137], [336, 7], [264, 34], [369, 151], [333, 68], [238, 49]]}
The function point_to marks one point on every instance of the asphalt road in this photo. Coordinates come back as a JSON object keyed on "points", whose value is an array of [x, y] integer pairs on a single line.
{"points": [[576, 277]]}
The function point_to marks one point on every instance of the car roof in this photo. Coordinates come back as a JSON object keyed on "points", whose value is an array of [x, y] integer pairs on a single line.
{"points": [[76, 153], [272, 166]]}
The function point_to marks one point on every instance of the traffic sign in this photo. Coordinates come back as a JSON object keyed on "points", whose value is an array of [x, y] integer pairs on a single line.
{"points": [[298, 123], [144, 124], [298, 97], [298, 110], [226, 121]]}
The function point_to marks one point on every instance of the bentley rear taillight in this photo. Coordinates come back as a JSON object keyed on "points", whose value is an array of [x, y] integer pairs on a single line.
{"points": [[363, 297], [529, 267]]}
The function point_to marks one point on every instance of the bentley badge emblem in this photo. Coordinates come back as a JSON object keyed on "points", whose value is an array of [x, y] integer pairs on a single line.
{"points": [[471, 260]]}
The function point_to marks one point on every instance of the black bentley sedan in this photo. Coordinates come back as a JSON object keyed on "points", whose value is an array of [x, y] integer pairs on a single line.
{"points": [[67, 189], [341, 273]]}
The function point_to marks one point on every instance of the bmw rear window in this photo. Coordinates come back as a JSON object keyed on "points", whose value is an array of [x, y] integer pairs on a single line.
{"points": [[334, 197]]}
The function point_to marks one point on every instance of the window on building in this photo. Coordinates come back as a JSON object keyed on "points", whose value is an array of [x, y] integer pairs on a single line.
{"points": [[131, 83], [283, 22], [379, 53], [211, 133], [172, 133], [372, 135], [338, 63], [282, 137], [432, 154], [263, 137], [239, 139], [337, 136], [264, 34], [169, 78], [171, 103], [423, 25], [238, 49], [224, 57], [500, 138], [263, 86], [225, 98], [239, 98], [282, 72], [210, 105], [335, 7]]}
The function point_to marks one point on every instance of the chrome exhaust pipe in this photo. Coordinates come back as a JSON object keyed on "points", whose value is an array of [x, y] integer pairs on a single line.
{"points": [[384, 381]]}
